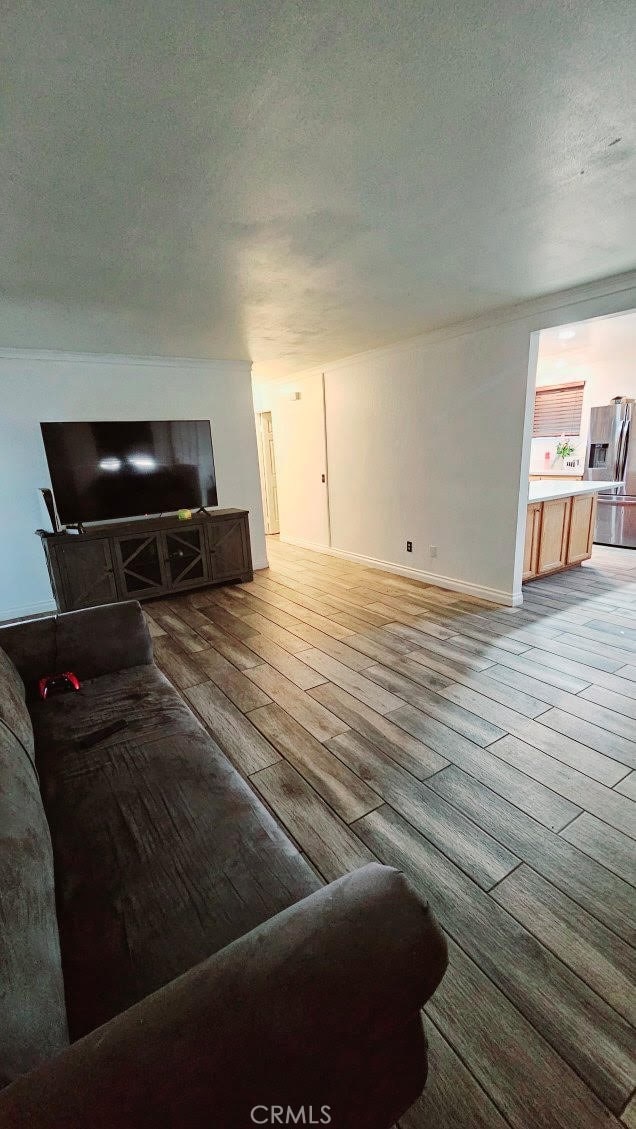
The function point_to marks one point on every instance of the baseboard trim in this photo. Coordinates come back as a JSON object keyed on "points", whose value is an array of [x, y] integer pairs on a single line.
{"points": [[495, 595], [8, 615], [314, 545]]}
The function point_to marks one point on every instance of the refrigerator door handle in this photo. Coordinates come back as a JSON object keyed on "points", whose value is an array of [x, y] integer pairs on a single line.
{"points": [[619, 448], [621, 458]]}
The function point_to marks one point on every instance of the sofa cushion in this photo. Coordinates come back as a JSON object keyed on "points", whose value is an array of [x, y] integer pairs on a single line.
{"points": [[9, 677], [33, 1017], [14, 714], [163, 853]]}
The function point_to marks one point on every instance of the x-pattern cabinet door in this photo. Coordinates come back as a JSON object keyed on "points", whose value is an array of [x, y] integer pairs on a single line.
{"points": [[85, 569], [140, 564], [229, 548], [185, 557]]}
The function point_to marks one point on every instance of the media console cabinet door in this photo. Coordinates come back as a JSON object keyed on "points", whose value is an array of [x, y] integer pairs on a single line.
{"points": [[228, 546], [85, 569], [185, 557], [140, 565], [555, 523]]}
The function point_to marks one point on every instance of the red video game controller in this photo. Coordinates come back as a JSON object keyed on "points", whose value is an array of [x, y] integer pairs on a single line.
{"points": [[58, 683]]}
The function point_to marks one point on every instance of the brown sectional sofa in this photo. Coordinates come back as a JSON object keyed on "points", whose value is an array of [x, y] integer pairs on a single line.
{"points": [[167, 956]]}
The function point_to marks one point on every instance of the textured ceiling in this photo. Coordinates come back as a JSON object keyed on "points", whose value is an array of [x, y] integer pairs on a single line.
{"points": [[293, 182], [582, 341]]}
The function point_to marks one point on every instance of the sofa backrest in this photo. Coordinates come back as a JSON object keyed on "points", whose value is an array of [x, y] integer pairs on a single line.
{"points": [[90, 642], [32, 1012]]}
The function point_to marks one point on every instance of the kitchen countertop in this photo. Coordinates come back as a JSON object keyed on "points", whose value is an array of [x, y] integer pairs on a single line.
{"points": [[547, 491]]}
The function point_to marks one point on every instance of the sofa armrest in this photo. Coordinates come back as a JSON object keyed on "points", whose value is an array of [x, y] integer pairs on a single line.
{"points": [[317, 1007], [90, 642]]}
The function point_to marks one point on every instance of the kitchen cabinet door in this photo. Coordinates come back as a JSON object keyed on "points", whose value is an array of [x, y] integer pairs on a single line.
{"points": [[531, 549], [553, 542], [581, 534]]}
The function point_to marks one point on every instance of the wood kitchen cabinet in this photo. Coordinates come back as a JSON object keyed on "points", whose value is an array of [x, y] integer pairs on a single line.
{"points": [[559, 534], [531, 550], [553, 540], [582, 523]]}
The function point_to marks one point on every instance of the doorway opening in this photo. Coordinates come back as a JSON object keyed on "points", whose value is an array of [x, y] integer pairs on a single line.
{"points": [[582, 467], [267, 466], [292, 447]]}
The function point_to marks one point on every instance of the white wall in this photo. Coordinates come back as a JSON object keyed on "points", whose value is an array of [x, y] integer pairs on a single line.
{"points": [[50, 386], [430, 441], [602, 352], [417, 440]]}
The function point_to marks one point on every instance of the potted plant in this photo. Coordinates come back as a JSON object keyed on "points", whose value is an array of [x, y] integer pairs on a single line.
{"points": [[564, 449]]}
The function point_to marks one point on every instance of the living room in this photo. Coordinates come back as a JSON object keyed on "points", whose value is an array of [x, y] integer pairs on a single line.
{"points": [[323, 819]]}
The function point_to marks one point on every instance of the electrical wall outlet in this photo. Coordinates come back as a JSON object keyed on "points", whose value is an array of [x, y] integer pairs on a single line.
{"points": [[409, 546], [432, 550]]}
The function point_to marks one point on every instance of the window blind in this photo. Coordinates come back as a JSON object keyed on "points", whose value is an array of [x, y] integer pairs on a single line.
{"points": [[557, 409]]}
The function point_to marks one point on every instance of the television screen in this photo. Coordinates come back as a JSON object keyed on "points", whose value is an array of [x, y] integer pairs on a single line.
{"points": [[100, 471]]}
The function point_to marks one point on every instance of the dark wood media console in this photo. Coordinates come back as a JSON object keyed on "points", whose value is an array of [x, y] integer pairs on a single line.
{"points": [[137, 560]]}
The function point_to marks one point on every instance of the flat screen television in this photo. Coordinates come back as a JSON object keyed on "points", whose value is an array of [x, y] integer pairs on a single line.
{"points": [[106, 470]]}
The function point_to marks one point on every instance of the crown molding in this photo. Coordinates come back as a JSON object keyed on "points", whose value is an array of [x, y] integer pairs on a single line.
{"points": [[533, 310], [54, 356]]}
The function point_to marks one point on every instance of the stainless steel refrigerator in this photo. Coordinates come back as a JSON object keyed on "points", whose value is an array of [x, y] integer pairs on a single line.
{"points": [[611, 457]]}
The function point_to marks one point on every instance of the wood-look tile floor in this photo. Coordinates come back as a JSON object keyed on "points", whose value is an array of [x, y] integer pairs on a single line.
{"points": [[488, 752]]}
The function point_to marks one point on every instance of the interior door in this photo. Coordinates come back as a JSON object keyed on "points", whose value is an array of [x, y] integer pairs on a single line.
{"points": [[301, 462], [267, 467]]}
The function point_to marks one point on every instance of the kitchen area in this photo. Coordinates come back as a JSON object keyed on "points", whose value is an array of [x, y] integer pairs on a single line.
{"points": [[582, 489]]}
